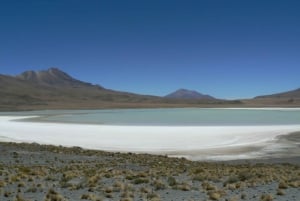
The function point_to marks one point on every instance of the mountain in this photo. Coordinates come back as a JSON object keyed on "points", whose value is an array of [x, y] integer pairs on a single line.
{"points": [[52, 77], [289, 94], [188, 94], [283, 99], [55, 89]]}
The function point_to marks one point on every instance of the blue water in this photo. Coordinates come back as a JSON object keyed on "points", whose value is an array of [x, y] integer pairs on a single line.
{"points": [[169, 117]]}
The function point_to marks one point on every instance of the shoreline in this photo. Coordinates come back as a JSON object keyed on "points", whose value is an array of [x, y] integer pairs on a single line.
{"points": [[289, 153], [149, 106], [268, 167], [192, 142]]}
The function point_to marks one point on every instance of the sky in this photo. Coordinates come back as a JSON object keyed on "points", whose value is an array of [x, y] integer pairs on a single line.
{"points": [[226, 48]]}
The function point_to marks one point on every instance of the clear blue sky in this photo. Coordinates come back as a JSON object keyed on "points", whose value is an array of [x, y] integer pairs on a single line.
{"points": [[225, 48]]}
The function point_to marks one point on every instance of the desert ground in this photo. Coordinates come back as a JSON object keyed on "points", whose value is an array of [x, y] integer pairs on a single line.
{"points": [[31, 172]]}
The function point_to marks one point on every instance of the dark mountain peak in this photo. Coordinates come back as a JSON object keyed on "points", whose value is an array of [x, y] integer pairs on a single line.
{"points": [[58, 73], [54, 69], [51, 72], [188, 94], [55, 72], [186, 91], [51, 77]]}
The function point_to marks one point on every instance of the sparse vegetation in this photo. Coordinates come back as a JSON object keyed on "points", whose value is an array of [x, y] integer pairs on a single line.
{"points": [[102, 175], [266, 197], [52, 195]]}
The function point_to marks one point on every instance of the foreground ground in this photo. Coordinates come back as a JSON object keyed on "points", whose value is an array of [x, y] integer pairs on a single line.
{"points": [[49, 173]]}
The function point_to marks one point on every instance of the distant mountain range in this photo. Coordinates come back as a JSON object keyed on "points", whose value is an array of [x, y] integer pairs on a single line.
{"points": [[289, 94], [283, 99], [188, 94], [55, 89]]}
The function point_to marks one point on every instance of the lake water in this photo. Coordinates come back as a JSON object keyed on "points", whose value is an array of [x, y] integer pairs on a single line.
{"points": [[197, 134], [171, 117]]}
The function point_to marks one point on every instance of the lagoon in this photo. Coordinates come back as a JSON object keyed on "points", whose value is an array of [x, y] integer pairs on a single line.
{"points": [[170, 117], [197, 134]]}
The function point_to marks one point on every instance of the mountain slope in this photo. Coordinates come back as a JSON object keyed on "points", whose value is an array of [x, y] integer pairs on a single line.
{"points": [[54, 88], [284, 99], [15, 92], [188, 94], [289, 94]]}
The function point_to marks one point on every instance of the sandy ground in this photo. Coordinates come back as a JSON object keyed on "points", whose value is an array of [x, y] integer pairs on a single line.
{"points": [[42, 172]]}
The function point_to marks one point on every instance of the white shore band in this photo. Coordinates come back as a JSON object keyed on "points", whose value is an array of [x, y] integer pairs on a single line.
{"points": [[193, 142]]}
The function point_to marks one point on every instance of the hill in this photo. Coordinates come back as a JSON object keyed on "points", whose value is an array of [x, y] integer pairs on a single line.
{"points": [[55, 89], [188, 94], [283, 99], [289, 94]]}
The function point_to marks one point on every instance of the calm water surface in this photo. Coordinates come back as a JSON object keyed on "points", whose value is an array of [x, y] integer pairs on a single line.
{"points": [[169, 117]]}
